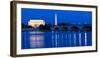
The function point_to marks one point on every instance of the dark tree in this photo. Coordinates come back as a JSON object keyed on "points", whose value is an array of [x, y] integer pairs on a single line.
{"points": [[41, 27], [26, 26], [74, 28], [64, 28], [46, 27], [87, 28], [56, 28]]}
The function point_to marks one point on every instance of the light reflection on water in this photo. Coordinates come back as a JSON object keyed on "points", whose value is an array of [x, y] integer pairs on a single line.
{"points": [[36, 40], [55, 39]]}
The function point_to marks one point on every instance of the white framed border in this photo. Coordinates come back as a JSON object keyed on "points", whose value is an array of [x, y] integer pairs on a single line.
{"points": [[52, 50]]}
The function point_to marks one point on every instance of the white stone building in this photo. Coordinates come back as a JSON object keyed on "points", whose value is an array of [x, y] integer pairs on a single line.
{"points": [[36, 23]]}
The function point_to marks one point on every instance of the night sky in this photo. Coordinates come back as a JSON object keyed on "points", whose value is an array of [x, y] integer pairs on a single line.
{"points": [[64, 16]]}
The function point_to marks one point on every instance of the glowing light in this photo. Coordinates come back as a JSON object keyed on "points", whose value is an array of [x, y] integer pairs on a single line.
{"points": [[36, 23]]}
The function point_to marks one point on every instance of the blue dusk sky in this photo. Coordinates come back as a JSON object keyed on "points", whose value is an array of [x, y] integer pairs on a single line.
{"points": [[63, 16]]}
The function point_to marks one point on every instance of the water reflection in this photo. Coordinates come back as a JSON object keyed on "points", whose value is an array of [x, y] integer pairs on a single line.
{"points": [[36, 40], [55, 39], [74, 38], [85, 38], [80, 38]]}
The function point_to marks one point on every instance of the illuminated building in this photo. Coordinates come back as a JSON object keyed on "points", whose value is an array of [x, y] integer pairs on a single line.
{"points": [[36, 23]]}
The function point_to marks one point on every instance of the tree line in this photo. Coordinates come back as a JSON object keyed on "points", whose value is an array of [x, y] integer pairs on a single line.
{"points": [[61, 27]]}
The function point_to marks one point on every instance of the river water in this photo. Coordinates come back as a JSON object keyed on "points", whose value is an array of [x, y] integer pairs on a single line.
{"points": [[55, 39]]}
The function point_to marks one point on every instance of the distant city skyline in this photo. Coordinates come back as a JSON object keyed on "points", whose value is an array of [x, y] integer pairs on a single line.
{"points": [[61, 16]]}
